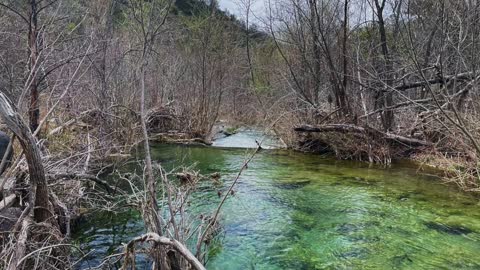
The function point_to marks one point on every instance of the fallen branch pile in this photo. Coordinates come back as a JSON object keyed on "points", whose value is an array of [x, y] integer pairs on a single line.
{"points": [[347, 128], [349, 141]]}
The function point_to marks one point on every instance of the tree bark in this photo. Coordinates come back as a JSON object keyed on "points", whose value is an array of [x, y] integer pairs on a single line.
{"points": [[33, 110], [386, 99], [314, 28], [39, 188], [152, 222], [344, 48]]}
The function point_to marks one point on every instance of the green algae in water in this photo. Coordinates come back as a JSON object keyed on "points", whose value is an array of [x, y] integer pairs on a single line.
{"points": [[301, 211]]}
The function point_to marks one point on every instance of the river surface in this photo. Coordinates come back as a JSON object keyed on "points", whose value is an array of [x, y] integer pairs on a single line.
{"points": [[302, 211]]}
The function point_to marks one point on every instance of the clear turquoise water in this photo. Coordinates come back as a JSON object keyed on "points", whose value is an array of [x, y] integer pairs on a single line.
{"points": [[301, 211]]}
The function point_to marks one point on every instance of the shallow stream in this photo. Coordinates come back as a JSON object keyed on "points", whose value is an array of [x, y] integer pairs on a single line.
{"points": [[301, 211]]}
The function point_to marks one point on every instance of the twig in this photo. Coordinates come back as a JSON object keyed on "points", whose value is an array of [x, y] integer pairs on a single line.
{"points": [[91, 177], [215, 217], [20, 247]]}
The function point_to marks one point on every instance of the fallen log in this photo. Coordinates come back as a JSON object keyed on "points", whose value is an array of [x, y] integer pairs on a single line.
{"points": [[36, 171], [342, 128], [407, 140], [466, 76], [348, 128]]}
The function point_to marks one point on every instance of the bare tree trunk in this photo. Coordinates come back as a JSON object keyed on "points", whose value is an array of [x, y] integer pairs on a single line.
{"points": [[153, 224], [386, 99], [344, 51], [341, 100], [150, 209], [33, 110], [314, 28], [249, 59], [39, 187]]}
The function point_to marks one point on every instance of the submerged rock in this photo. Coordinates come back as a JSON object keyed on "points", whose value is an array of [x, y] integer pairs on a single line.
{"points": [[293, 185], [358, 181], [348, 228], [359, 253], [398, 262], [449, 229], [303, 220], [215, 176], [416, 195]]}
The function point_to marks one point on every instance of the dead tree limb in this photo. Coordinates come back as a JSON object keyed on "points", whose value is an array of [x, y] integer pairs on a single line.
{"points": [[21, 245], [347, 128], [466, 76], [39, 187], [7, 202], [213, 221], [80, 176]]}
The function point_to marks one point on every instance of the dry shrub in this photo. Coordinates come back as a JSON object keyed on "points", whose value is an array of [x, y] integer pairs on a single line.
{"points": [[347, 146], [466, 176], [45, 248], [453, 153], [163, 119], [344, 146], [48, 247], [454, 169], [283, 126]]}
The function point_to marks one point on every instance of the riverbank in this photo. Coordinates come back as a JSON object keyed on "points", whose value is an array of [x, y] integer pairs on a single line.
{"points": [[82, 192], [331, 142], [351, 142]]}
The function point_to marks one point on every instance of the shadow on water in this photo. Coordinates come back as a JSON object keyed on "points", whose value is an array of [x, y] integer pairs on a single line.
{"points": [[301, 211]]}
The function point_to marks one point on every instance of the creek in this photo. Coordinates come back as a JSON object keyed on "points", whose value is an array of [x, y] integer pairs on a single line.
{"points": [[294, 210]]}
